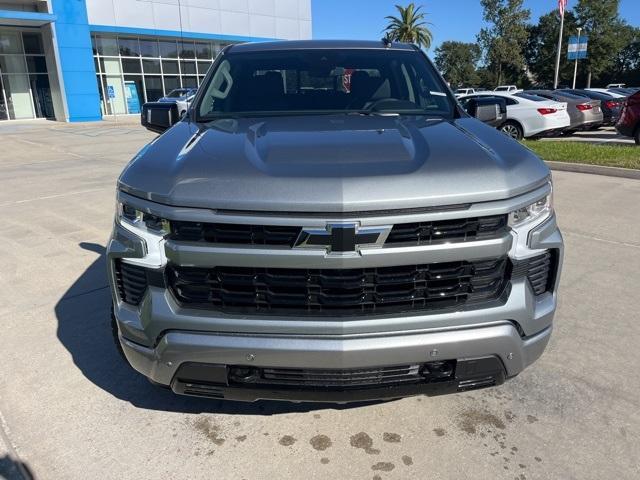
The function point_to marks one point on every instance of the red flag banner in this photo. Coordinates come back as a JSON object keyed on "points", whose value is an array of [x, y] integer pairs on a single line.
{"points": [[562, 5]]}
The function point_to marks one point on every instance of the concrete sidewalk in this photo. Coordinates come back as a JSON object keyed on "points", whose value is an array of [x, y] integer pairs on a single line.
{"points": [[75, 410]]}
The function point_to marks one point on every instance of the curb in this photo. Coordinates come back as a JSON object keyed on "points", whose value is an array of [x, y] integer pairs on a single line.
{"points": [[595, 169]]}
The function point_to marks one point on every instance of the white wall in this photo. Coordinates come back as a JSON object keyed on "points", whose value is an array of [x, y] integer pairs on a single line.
{"points": [[282, 19]]}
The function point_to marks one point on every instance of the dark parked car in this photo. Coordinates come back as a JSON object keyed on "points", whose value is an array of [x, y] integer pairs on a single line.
{"points": [[629, 123], [611, 107]]}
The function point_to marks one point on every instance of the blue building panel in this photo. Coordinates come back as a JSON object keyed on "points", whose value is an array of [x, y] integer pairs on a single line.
{"points": [[76, 60]]}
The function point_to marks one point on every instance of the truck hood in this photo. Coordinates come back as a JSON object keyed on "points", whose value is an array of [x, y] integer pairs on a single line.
{"points": [[330, 163]]}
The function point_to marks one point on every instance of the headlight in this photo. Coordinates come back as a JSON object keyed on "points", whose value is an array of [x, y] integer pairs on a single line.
{"points": [[539, 210], [143, 220]]}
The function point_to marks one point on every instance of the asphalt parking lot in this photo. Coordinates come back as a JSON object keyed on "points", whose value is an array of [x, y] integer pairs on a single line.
{"points": [[70, 408], [602, 136]]}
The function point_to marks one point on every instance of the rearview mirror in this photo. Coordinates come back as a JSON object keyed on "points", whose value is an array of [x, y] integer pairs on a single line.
{"points": [[159, 116], [490, 110]]}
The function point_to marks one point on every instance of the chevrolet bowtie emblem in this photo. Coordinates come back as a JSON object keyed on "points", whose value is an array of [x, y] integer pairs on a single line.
{"points": [[342, 237]]}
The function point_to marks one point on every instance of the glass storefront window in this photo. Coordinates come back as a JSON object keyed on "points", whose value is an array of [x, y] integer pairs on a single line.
{"points": [[131, 65], [203, 50], [12, 64], [149, 48], [4, 114], [168, 48], [32, 43], [190, 82], [117, 103], [171, 83], [151, 66], [42, 96], [166, 64], [187, 50], [24, 83], [10, 42], [134, 104], [107, 46], [188, 68], [36, 64], [129, 47], [170, 66], [203, 67], [18, 96], [153, 86]]}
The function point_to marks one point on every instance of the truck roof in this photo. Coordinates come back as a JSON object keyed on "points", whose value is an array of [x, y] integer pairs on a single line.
{"points": [[318, 44]]}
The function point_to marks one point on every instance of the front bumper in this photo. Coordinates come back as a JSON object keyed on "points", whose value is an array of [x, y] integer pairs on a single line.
{"points": [[511, 352]]}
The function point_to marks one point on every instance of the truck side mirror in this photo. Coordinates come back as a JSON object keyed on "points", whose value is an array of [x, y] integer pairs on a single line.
{"points": [[159, 116], [491, 110]]}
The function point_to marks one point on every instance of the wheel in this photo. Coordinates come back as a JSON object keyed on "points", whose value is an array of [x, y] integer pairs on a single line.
{"points": [[513, 130], [114, 332]]}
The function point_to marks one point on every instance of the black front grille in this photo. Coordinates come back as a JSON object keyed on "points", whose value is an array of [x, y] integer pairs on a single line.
{"points": [[228, 233], [340, 378], [340, 292], [421, 233], [461, 230], [131, 281]]}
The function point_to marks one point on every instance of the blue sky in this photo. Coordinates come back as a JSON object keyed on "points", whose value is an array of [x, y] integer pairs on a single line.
{"points": [[452, 19]]}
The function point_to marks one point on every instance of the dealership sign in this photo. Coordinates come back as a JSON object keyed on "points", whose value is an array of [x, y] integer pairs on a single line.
{"points": [[577, 48]]}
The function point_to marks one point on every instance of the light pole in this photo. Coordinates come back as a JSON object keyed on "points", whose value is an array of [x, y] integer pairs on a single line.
{"points": [[575, 69]]}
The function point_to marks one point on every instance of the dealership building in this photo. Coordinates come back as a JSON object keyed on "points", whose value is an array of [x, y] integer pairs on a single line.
{"points": [[79, 60]]}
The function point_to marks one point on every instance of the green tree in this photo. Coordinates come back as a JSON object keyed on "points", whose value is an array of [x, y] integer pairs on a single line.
{"points": [[626, 64], [457, 61], [601, 22], [542, 45], [503, 41], [409, 27]]}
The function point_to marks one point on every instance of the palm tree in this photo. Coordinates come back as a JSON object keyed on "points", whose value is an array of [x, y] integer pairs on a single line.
{"points": [[409, 27]]}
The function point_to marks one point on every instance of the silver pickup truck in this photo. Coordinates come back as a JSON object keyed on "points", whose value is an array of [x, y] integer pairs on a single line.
{"points": [[326, 223]]}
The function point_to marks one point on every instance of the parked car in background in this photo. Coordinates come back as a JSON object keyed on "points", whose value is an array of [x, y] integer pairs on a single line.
{"points": [[530, 115], [629, 123], [464, 91], [584, 113], [506, 88], [610, 106], [611, 92], [182, 97], [616, 85]]}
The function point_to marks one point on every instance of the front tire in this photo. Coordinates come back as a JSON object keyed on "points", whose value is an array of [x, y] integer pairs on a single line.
{"points": [[513, 130]]}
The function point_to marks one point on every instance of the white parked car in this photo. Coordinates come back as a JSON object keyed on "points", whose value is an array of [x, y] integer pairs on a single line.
{"points": [[608, 91], [464, 91], [506, 88], [182, 97], [616, 85], [529, 115]]}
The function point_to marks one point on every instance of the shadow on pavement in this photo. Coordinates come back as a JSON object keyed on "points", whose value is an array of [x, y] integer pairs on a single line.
{"points": [[11, 469], [83, 315]]}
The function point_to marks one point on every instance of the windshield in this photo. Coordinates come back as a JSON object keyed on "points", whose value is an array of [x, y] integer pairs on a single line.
{"points": [[298, 82]]}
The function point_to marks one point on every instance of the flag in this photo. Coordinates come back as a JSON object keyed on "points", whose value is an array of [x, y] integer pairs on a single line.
{"points": [[562, 5]]}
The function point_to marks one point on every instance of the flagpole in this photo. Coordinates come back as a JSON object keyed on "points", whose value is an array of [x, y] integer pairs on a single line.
{"points": [[555, 80], [575, 70]]}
